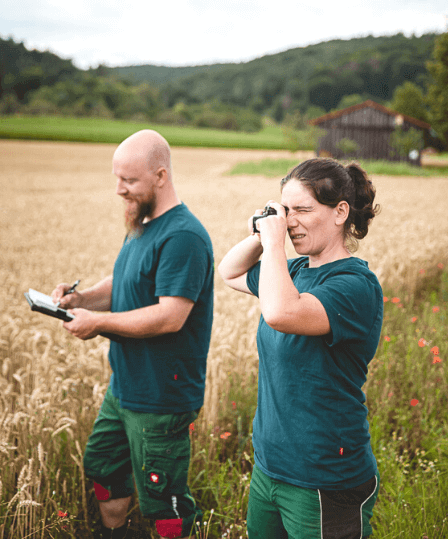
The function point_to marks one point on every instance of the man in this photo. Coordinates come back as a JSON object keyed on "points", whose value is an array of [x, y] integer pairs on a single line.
{"points": [[158, 304]]}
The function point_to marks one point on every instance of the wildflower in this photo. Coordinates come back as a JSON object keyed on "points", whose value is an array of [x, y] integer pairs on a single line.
{"points": [[191, 427], [390, 394], [422, 272], [414, 319], [385, 299], [61, 514], [435, 309], [225, 435], [414, 402], [234, 405], [421, 342], [440, 265], [387, 338], [436, 360], [395, 300], [435, 350]]}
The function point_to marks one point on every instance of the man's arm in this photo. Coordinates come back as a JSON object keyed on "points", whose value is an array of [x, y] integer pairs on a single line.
{"points": [[167, 316], [95, 298]]}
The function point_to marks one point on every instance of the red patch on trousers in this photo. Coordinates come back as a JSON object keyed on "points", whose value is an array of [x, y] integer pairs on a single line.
{"points": [[101, 493], [154, 478], [170, 528]]}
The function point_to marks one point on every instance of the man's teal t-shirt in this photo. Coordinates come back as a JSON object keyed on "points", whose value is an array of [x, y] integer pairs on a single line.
{"points": [[172, 257], [311, 427]]}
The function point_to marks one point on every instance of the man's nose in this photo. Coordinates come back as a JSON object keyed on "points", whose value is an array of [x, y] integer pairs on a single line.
{"points": [[121, 188]]}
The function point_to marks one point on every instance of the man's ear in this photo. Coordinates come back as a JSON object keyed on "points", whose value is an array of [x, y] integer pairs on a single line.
{"points": [[342, 210], [162, 176]]}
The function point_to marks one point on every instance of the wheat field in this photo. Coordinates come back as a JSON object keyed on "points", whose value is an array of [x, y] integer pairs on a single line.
{"points": [[61, 221]]}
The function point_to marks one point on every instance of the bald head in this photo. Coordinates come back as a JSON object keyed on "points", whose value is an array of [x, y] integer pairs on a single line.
{"points": [[147, 147]]}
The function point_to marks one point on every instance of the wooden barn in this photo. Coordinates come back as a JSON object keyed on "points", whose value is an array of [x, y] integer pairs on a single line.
{"points": [[365, 129]]}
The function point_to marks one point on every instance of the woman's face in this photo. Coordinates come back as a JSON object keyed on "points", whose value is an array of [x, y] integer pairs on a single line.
{"points": [[312, 226]]}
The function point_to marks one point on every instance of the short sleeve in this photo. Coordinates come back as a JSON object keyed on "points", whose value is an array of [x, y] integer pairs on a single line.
{"points": [[253, 278], [184, 263], [353, 304]]}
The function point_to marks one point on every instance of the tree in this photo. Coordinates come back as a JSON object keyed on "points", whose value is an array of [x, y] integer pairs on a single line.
{"points": [[349, 100], [408, 99], [437, 96], [405, 142]]}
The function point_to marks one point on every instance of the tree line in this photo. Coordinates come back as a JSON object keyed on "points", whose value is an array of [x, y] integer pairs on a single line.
{"points": [[408, 74]]}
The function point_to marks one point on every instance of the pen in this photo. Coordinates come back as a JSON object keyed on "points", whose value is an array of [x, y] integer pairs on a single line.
{"points": [[70, 291]]}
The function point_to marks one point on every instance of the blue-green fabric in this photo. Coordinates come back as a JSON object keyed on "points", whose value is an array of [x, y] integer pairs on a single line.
{"points": [[311, 427], [172, 257]]}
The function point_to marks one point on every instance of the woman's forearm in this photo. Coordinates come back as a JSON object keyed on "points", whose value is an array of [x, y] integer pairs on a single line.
{"points": [[240, 258]]}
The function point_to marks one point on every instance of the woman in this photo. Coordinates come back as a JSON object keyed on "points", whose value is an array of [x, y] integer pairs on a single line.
{"points": [[315, 475]]}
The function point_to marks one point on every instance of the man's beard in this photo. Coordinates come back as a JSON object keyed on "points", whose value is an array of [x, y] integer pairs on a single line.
{"points": [[135, 214]]}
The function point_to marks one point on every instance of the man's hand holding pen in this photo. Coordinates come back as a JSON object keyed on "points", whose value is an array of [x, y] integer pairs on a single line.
{"points": [[66, 296]]}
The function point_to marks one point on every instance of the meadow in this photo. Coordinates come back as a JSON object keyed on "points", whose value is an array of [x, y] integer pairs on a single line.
{"points": [[73, 129], [61, 220]]}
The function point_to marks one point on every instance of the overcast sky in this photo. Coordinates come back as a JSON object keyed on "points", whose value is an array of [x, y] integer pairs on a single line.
{"points": [[193, 32]]}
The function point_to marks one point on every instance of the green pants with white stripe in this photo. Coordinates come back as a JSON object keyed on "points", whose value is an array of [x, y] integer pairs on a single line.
{"points": [[283, 511]]}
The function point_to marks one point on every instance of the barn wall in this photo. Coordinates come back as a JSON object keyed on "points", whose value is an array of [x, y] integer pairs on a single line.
{"points": [[368, 127]]}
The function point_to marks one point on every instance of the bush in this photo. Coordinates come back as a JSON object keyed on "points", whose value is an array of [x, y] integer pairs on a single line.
{"points": [[348, 147], [305, 139], [403, 142]]}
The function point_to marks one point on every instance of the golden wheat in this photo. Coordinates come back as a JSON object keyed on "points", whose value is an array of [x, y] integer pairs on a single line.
{"points": [[60, 220]]}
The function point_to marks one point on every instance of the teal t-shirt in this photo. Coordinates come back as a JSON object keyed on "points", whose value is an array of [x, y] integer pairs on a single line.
{"points": [[311, 427], [173, 257]]}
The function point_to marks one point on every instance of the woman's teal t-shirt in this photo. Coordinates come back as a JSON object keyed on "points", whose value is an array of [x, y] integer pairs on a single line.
{"points": [[311, 427]]}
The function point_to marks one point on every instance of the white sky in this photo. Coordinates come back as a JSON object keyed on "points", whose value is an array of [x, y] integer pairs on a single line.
{"points": [[193, 32]]}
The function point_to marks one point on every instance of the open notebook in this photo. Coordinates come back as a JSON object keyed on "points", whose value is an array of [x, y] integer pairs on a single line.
{"points": [[44, 304]]}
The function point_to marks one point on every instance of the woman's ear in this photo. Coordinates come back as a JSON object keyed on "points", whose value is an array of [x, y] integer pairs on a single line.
{"points": [[342, 211]]}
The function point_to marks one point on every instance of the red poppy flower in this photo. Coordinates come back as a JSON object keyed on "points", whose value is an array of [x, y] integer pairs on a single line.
{"points": [[234, 405], [436, 360], [435, 350], [440, 265], [387, 338], [414, 402], [421, 342], [422, 272], [61, 514], [414, 319], [225, 435], [435, 309], [395, 300], [385, 299], [191, 427]]}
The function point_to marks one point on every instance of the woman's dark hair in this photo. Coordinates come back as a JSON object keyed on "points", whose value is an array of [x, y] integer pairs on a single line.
{"points": [[330, 182]]}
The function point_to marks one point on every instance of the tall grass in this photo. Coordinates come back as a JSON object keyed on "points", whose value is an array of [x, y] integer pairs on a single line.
{"points": [[62, 222]]}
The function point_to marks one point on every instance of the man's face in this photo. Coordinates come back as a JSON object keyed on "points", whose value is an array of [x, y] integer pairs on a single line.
{"points": [[136, 184]]}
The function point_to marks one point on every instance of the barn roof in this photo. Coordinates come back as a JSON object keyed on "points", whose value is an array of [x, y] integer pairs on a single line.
{"points": [[368, 104]]}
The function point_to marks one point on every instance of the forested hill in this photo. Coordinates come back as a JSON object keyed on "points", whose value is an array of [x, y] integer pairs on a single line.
{"points": [[22, 70], [318, 75]]}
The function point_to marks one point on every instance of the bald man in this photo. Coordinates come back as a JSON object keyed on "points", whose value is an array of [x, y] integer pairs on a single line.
{"points": [[159, 305]]}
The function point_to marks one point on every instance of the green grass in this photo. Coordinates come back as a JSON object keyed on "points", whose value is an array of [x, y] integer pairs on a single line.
{"points": [[280, 167], [114, 131]]}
